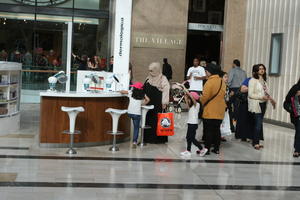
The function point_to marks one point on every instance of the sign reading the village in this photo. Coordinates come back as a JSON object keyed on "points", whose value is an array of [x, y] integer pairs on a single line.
{"points": [[145, 40]]}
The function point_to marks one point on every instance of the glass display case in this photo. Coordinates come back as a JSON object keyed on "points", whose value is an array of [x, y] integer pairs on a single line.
{"points": [[10, 84]]}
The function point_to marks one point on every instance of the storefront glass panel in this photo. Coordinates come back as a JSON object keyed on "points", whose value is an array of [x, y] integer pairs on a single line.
{"points": [[39, 41]]}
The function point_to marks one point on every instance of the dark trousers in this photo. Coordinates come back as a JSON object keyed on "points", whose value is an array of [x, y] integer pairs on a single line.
{"points": [[136, 119], [297, 136], [211, 130], [191, 137], [233, 106], [258, 124]]}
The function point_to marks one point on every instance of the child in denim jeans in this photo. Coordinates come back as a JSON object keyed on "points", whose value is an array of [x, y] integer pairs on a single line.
{"points": [[137, 98]]}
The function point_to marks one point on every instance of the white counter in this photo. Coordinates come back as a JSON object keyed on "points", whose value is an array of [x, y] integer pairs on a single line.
{"points": [[10, 66], [81, 94]]}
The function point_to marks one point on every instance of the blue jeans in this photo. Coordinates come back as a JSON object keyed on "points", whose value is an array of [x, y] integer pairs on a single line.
{"points": [[297, 136], [136, 119], [258, 124]]}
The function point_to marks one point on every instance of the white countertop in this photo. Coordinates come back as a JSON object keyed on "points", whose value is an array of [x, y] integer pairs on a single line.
{"points": [[81, 94], [10, 66]]}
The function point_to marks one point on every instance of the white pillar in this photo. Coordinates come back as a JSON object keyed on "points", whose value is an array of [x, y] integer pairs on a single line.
{"points": [[69, 53], [122, 36]]}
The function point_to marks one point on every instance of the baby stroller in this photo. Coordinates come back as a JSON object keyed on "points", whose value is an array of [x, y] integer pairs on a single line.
{"points": [[177, 97]]}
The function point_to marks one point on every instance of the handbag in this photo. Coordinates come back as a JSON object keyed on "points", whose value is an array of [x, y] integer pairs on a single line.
{"points": [[295, 106], [165, 124], [288, 106], [202, 106]]}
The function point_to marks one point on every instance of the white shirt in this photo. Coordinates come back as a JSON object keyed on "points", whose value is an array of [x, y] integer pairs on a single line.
{"points": [[196, 85], [193, 114], [255, 94], [134, 106]]}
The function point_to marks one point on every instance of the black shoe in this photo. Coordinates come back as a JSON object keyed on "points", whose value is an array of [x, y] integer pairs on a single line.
{"points": [[216, 151], [223, 139], [296, 155]]}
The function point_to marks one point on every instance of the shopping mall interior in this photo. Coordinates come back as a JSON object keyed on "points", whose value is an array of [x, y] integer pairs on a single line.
{"points": [[64, 131]]}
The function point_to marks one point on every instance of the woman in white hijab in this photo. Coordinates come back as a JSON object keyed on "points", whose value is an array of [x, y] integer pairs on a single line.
{"points": [[157, 88]]}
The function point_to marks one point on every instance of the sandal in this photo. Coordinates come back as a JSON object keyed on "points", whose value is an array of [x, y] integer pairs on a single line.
{"points": [[261, 146], [295, 154]]}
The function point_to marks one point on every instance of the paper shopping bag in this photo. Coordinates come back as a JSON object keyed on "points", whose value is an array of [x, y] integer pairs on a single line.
{"points": [[165, 124]]}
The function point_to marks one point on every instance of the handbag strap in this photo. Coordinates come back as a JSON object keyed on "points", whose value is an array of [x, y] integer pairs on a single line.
{"points": [[214, 95]]}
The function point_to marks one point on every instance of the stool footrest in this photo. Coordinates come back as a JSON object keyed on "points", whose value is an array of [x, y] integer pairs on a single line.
{"points": [[76, 132], [146, 127], [117, 133]]}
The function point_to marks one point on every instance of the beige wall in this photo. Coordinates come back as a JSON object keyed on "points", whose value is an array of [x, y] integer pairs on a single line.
{"points": [[234, 32], [167, 19], [265, 17]]}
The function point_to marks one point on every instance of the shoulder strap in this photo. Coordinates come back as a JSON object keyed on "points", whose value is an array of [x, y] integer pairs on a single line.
{"points": [[215, 94]]}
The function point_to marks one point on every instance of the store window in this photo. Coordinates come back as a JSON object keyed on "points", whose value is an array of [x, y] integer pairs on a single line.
{"points": [[90, 46], [275, 53], [39, 40], [92, 4]]}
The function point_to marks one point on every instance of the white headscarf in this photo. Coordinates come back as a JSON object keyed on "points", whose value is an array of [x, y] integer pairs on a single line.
{"points": [[158, 80]]}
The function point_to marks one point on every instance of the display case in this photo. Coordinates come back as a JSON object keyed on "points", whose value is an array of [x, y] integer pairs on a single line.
{"points": [[10, 85]]}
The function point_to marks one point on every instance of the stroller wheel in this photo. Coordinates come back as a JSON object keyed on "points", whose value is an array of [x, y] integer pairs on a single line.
{"points": [[179, 110]]}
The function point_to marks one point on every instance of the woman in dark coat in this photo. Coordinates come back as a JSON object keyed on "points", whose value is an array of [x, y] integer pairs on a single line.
{"points": [[295, 92], [157, 89], [245, 123]]}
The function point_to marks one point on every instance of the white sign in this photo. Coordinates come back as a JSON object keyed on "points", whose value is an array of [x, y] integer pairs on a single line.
{"points": [[205, 27], [117, 81], [122, 36]]}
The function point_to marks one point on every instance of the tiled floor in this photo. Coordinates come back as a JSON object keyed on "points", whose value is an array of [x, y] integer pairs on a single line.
{"points": [[154, 172]]}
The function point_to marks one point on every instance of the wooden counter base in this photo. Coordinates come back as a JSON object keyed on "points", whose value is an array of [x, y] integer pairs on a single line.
{"points": [[93, 123]]}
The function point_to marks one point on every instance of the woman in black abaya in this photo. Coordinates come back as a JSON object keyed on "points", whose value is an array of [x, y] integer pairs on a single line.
{"points": [[157, 89]]}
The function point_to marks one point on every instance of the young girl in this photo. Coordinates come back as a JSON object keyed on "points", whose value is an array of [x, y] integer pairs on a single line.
{"points": [[191, 99], [137, 98]]}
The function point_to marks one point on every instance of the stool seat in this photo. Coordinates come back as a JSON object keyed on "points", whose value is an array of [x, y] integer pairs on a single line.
{"points": [[116, 111], [72, 112], [115, 114], [148, 107], [145, 110], [72, 109]]}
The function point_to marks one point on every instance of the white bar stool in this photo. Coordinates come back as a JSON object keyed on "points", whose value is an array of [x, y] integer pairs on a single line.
{"points": [[115, 114], [72, 112], [145, 110]]}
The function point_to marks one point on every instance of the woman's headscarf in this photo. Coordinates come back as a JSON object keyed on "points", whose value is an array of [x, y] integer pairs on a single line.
{"points": [[158, 80]]}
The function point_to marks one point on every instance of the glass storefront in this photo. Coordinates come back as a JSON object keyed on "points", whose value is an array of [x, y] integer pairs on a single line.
{"points": [[38, 39]]}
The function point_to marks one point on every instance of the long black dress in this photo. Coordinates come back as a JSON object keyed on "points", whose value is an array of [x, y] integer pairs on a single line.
{"points": [[245, 122], [155, 96]]}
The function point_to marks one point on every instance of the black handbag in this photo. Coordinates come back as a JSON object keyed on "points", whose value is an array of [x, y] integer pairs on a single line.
{"points": [[202, 106], [288, 106]]}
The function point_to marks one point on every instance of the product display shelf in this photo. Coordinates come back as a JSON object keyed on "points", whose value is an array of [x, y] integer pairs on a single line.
{"points": [[10, 85]]}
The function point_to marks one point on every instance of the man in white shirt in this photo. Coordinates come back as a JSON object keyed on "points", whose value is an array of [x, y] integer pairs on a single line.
{"points": [[196, 74]]}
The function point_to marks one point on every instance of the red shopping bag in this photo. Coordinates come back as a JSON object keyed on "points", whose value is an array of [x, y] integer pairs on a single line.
{"points": [[165, 124]]}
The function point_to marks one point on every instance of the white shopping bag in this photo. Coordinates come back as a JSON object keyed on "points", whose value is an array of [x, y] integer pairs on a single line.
{"points": [[225, 126]]}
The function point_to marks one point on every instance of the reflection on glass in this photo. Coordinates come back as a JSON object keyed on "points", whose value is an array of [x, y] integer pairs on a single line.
{"points": [[92, 4], [40, 50], [90, 46]]}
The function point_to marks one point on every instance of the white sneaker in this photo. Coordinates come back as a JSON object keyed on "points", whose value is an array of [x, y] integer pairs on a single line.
{"points": [[186, 153], [203, 152]]}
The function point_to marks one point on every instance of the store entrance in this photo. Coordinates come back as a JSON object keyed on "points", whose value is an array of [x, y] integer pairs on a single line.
{"points": [[204, 45]]}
